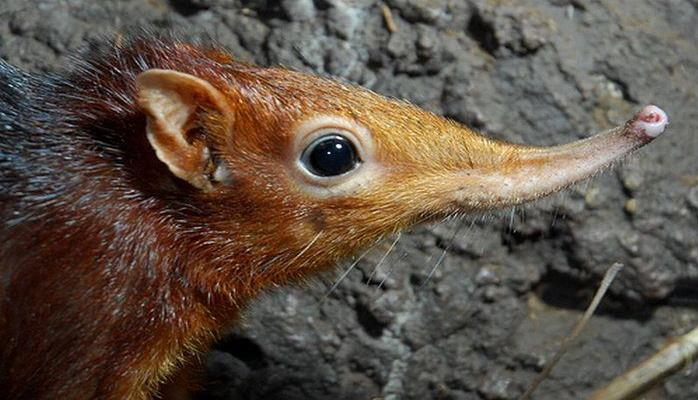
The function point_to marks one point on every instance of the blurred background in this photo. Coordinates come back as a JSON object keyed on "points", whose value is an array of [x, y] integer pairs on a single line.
{"points": [[472, 308]]}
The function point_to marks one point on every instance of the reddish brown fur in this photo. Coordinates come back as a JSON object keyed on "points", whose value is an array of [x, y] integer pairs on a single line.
{"points": [[128, 270], [113, 271]]}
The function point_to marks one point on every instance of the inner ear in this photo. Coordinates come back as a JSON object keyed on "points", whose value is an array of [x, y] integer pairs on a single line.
{"points": [[181, 111]]}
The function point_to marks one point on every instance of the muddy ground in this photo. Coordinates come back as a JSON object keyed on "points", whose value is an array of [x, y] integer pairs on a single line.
{"points": [[510, 285]]}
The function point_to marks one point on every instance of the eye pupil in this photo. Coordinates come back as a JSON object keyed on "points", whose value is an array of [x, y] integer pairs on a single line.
{"points": [[331, 155]]}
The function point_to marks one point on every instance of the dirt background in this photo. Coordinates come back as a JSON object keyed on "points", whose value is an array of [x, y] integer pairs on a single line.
{"points": [[510, 285]]}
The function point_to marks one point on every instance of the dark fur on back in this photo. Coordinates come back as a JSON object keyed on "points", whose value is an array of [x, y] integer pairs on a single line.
{"points": [[13, 90], [86, 213], [65, 129], [16, 97], [112, 270]]}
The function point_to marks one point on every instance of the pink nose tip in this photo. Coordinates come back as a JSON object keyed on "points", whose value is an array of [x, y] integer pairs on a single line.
{"points": [[650, 121]]}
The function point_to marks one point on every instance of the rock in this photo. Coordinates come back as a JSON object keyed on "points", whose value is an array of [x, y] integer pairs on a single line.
{"points": [[343, 20], [692, 197], [530, 71], [299, 10], [630, 206]]}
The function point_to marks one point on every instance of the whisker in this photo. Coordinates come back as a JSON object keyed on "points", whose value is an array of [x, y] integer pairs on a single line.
{"points": [[470, 227], [344, 275], [385, 278], [443, 254], [387, 274], [556, 210], [307, 246], [390, 249]]}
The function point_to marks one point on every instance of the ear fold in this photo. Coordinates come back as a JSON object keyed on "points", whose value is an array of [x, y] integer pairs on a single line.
{"points": [[176, 105]]}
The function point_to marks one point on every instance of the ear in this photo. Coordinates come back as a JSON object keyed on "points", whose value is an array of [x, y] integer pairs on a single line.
{"points": [[178, 106]]}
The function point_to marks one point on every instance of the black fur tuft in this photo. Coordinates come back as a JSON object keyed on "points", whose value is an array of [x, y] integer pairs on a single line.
{"points": [[14, 94]]}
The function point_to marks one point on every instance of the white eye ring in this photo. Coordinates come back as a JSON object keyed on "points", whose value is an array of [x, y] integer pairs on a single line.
{"points": [[309, 133]]}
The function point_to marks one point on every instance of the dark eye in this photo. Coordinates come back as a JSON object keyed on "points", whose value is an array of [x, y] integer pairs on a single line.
{"points": [[330, 155]]}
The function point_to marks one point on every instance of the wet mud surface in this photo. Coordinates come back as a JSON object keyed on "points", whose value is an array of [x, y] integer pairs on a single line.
{"points": [[472, 308]]}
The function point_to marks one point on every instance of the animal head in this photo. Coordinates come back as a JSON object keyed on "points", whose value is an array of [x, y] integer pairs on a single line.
{"points": [[294, 171]]}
